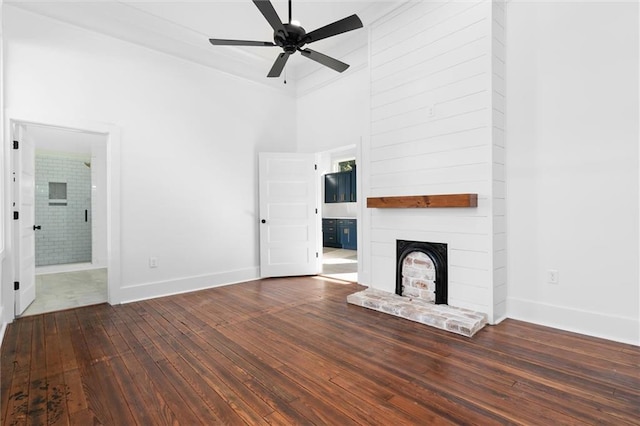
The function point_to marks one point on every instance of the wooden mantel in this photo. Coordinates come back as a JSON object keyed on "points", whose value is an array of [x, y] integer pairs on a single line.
{"points": [[423, 201]]}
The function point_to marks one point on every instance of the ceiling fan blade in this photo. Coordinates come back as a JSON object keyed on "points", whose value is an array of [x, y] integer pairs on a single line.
{"points": [[325, 60], [342, 26], [279, 64], [270, 14], [222, 42]]}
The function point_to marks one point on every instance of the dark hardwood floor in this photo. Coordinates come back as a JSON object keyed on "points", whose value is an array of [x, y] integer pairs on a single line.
{"points": [[291, 351]]}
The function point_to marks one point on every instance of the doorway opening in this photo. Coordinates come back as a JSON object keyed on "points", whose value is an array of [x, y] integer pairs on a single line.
{"points": [[339, 210], [63, 207], [340, 264], [70, 217]]}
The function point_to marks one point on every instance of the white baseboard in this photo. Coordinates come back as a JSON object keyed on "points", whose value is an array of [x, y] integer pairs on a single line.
{"points": [[611, 327], [153, 290], [498, 320]]}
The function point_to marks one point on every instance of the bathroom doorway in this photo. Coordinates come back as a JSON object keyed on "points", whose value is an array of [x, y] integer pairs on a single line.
{"points": [[70, 218]]}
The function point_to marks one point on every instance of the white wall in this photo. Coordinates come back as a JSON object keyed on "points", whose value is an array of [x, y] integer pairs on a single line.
{"points": [[335, 115], [572, 165], [190, 138]]}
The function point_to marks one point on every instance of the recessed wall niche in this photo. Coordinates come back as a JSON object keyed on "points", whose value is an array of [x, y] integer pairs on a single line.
{"points": [[57, 193]]}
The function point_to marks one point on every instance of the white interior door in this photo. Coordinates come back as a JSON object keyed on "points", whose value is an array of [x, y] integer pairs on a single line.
{"points": [[24, 198], [288, 215]]}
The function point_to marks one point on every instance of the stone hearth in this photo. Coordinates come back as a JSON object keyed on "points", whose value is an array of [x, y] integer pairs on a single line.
{"points": [[445, 317]]}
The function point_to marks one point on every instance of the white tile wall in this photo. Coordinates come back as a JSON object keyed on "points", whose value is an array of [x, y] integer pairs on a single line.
{"points": [[65, 237]]}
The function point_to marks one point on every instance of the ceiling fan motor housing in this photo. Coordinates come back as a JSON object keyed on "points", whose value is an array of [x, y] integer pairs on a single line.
{"points": [[293, 40]]}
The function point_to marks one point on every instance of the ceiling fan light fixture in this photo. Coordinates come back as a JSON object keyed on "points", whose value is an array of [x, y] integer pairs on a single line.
{"points": [[292, 38]]}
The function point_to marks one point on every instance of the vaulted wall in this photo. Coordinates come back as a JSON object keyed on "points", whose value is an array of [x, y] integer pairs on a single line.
{"points": [[190, 138]]}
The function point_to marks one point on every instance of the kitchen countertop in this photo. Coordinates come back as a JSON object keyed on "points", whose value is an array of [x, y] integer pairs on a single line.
{"points": [[339, 217]]}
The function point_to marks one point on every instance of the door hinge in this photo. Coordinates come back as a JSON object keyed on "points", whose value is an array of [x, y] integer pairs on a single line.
{"points": [[16, 144], [16, 285], [316, 211], [16, 215], [317, 255]]}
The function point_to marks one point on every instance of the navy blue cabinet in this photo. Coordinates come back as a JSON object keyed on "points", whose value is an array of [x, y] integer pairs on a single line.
{"points": [[348, 234], [330, 233], [352, 183], [344, 187], [340, 187], [340, 233], [331, 188]]}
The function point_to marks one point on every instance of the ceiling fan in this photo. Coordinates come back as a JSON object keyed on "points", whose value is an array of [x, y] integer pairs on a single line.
{"points": [[292, 37]]}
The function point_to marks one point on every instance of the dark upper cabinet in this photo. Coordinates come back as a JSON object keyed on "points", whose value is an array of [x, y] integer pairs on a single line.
{"points": [[352, 183], [344, 187], [340, 187], [331, 188]]}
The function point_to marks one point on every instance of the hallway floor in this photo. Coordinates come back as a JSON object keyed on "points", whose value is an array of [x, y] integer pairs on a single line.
{"points": [[55, 292], [340, 264]]}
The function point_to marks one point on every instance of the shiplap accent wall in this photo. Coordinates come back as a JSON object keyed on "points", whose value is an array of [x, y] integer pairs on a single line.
{"points": [[498, 89], [434, 102]]}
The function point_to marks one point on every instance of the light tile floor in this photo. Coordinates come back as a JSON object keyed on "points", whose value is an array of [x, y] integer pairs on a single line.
{"points": [[340, 264], [55, 292]]}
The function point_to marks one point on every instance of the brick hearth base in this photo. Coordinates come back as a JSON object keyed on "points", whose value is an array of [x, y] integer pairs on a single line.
{"points": [[445, 317]]}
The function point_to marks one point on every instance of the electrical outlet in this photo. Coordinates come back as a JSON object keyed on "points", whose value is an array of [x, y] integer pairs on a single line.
{"points": [[431, 110], [153, 262], [552, 276]]}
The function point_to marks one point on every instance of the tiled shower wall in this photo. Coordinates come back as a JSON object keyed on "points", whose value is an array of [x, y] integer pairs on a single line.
{"points": [[65, 236]]}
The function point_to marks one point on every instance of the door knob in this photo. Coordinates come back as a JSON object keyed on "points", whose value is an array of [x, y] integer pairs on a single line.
{"points": [[263, 221], [36, 227]]}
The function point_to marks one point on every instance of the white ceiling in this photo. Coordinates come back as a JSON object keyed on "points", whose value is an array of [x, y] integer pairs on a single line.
{"points": [[182, 28]]}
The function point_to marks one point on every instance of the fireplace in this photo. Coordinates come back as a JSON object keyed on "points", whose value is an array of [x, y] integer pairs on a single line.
{"points": [[421, 270], [421, 291]]}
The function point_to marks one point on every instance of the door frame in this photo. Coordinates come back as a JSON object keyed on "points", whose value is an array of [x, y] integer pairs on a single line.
{"points": [[113, 142], [97, 162]]}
